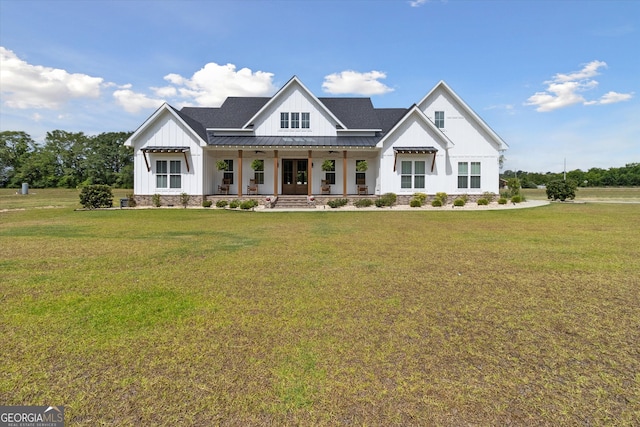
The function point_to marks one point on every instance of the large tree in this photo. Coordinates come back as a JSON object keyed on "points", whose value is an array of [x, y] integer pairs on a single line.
{"points": [[14, 150]]}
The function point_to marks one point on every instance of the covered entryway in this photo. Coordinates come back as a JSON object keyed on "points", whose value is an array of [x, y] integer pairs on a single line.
{"points": [[295, 176]]}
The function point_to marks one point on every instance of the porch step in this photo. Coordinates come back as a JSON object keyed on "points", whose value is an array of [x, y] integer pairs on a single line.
{"points": [[293, 202]]}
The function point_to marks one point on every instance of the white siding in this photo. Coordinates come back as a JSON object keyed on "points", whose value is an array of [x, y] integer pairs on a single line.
{"points": [[167, 131], [294, 99]]}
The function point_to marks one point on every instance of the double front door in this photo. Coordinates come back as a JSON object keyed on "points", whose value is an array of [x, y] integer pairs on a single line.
{"points": [[295, 175]]}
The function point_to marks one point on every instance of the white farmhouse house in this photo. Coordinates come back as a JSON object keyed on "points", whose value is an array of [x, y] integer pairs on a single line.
{"points": [[295, 143]]}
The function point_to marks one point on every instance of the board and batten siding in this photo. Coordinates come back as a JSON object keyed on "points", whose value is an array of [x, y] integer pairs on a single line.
{"points": [[167, 131], [295, 100]]}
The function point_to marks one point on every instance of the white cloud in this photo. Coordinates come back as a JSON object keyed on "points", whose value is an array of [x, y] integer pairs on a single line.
{"points": [[212, 84], [133, 102], [353, 82], [165, 92], [418, 3], [34, 86], [565, 90]]}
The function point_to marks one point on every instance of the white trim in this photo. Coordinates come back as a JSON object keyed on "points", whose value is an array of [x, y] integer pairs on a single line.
{"points": [[278, 94], [164, 107], [414, 109], [501, 144]]}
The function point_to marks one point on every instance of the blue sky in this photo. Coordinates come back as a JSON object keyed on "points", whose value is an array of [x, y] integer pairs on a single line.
{"points": [[555, 79]]}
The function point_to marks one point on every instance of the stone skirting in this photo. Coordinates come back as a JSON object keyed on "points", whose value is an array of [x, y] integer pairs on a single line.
{"points": [[196, 201]]}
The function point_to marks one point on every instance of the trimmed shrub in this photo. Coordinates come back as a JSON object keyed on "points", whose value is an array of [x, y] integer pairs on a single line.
{"points": [[459, 202], [442, 197], [234, 204], [363, 203], [387, 199], [502, 201], [489, 196], [221, 203], [483, 202], [248, 204], [184, 199], [436, 203], [561, 190], [415, 203], [336, 203], [516, 199], [155, 200], [422, 197], [207, 203], [131, 200], [96, 196]]}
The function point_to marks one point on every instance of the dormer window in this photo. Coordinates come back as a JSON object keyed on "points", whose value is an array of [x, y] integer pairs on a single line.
{"points": [[439, 119], [295, 120]]}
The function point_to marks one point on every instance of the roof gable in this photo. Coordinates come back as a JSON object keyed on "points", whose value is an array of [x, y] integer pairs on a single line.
{"points": [[189, 123], [428, 98], [416, 112], [292, 83]]}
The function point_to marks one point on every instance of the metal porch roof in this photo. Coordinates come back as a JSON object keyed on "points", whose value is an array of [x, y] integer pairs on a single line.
{"points": [[292, 141]]}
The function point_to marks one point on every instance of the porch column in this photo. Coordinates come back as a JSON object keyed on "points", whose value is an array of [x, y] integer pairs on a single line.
{"points": [[344, 173], [275, 172], [309, 175], [239, 173]]}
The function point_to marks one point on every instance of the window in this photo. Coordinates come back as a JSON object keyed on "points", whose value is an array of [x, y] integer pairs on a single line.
{"points": [[475, 174], [419, 174], [171, 177], [284, 120], [439, 119], [361, 177], [330, 175], [463, 175], [228, 174], [412, 174], [406, 172], [298, 120], [258, 174]]}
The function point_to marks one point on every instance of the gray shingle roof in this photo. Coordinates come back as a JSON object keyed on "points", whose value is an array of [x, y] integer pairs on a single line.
{"points": [[354, 113]]}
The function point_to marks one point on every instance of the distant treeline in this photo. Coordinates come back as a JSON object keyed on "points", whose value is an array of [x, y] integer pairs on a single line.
{"points": [[626, 176], [66, 159]]}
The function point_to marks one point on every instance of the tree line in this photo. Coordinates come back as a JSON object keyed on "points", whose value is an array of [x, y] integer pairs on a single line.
{"points": [[73, 159], [626, 176], [65, 159]]}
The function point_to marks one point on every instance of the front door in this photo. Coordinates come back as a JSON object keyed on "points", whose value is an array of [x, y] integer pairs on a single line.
{"points": [[294, 176]]}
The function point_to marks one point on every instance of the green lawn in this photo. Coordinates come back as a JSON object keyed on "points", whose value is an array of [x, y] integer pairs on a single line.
{"points": [[205, 317]]}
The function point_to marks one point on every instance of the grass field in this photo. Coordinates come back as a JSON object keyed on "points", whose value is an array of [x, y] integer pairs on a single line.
{"points": [[207, 317]]}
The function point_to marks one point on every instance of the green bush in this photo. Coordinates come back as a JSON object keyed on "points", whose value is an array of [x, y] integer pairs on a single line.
{"points": [[502, 201], [387, 199], [248, 204], [436, 203], [221, 203], [442, 197], [184, 199], [336, 203], [516, 199], [131, 200], [483, 202], [206, 203], [561, 190], [415, 203], [96, 196], [459, 202], [489, 196], [363, 203], [234, 204], [422, 197], [155, 199]]}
